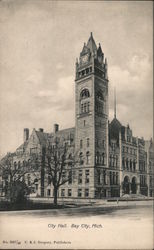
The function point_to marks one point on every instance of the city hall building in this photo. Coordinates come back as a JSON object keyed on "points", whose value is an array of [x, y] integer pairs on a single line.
{"points": [[112, 162]]}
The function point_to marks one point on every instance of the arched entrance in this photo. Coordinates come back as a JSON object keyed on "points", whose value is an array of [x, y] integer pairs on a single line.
{"points": [[134, 186], [126, 188]]}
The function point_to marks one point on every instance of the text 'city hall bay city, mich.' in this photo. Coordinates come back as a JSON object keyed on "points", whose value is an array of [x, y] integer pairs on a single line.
{"points": [[111, 162]]}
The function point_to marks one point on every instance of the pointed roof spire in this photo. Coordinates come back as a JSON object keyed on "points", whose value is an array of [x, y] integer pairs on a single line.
{"points": [[115, 103], [99, 51], [91, 43]]}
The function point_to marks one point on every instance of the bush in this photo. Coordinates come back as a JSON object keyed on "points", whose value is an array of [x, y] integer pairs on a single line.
{"points": [[18, 192]]}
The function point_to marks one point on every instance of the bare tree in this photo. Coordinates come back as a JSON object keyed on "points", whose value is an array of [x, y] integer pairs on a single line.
{"points": [[59, 162], [13, 175]]}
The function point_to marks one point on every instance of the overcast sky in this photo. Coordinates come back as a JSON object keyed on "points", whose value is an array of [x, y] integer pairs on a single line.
{"points": [[39, 43]]}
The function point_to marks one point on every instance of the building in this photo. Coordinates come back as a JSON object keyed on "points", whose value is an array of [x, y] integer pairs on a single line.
{"points": [[112, 162]]}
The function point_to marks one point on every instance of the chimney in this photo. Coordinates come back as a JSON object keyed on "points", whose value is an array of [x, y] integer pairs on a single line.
{"points": [[56, 128], [26, 134], [41, 130]]}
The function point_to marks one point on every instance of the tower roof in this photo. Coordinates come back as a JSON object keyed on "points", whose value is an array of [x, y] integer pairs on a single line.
{"points": [[91, 43], [99, 51]]}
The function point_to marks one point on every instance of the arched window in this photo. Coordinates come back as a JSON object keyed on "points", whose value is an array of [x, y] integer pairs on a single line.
{"points": [[84, 94], [87, 156], [99, 95], [97, 157]]}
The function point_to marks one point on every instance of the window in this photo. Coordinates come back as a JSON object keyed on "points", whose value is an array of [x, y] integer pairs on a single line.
{"points": [[86, 192], [82, 110], [87, 157], [84, 94], [113, 145], [62, 192], [98, 176], [70, 177], [99, 95], [134, 165], [81, 143], [85, 109], [36, 187], [123, 163], [79, 192], [116, 161], [103, 160], [104, 177], [80, 177], [81, 158], [103, 143], [87, 142], [87, 176], [127, 164], [88, 106], [117, 179], [97, 158], [130, 165], [111, 180], [114, 178], [84, 123], [63, 175], [69, 192], [49, 180], [48, 192]]}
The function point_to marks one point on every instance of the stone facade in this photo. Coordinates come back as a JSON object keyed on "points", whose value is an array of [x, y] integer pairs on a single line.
{"points": [[111, 161]]}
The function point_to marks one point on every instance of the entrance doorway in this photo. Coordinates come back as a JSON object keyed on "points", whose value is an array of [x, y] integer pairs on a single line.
{"points": [[134, 186]]}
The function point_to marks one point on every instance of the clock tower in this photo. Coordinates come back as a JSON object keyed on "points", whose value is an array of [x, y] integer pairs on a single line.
{"points": [[91, 106]]}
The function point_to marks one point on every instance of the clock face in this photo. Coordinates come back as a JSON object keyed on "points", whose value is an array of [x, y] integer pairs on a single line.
{"points": [[84, 59]]}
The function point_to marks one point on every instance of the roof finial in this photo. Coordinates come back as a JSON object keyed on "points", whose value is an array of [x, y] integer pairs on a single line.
{"points": [[91, 34], [115, 102]]}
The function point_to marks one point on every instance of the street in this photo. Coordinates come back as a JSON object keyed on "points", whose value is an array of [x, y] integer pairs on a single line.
{"points": [[104, 227]]}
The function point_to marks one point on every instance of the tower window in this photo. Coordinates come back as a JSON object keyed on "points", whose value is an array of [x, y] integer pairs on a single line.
{"points": [[87, 156], [87, 142], [84, 93], [81, 158], [81, 143]]}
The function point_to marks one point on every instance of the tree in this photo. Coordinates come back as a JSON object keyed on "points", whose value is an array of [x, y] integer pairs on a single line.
{"points": [[58, 161], [13, 175]]}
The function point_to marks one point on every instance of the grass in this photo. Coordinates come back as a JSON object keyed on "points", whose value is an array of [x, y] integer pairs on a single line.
{"points": [[27, 205]]}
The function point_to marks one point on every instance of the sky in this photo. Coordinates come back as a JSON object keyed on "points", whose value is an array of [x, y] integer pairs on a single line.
{"points": [[39, 44]]}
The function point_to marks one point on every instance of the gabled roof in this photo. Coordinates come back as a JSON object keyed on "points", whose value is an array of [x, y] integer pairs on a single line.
{"points": [[91, 44], [115, 123], [42, 137]]}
